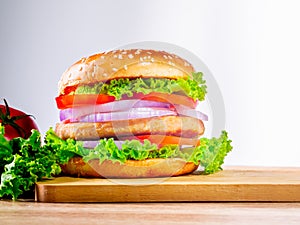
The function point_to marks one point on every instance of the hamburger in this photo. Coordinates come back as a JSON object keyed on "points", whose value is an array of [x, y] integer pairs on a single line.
{"points": [[133, 114]]}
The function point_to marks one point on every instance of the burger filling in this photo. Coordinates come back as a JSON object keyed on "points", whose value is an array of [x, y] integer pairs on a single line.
{"points": [[136, 119]]}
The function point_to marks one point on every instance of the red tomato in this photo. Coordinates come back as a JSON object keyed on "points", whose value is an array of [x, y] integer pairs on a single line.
{"points": [[16, 123], [162, 140], [173, 99], [68, 101]]}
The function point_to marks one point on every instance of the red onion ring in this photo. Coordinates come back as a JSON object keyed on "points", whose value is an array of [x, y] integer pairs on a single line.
{"points": [[134, 113], [122, 105], [185, 111], [92, 144], [127, 109]]}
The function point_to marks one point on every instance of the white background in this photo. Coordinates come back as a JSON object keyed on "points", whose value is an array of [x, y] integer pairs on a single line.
{"points": [[252, 47]]}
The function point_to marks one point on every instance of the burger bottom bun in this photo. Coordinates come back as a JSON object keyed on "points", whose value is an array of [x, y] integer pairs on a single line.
{"points": [[130, 169]]}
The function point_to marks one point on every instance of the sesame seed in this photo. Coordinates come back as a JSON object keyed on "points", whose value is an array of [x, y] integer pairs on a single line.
{"points": [[125, 67], [114, 69], [130, 56], [150, 53], [171, 63], [145, 63], [149, 57], [141, 59], [124, 52], [152, 60], [102, 56], [186, 64], [113, 52], [137, 52], [145, 57], [105, 74], [120, 56], [165, 56], [170, 57], [115, 56]]}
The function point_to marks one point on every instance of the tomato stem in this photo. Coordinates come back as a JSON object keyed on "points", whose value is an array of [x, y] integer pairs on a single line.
{"points": [[6, 108], [6, 119]]}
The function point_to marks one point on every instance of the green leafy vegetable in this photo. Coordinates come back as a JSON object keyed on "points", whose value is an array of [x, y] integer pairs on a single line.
{"points": [[194, 88], [210, 154], [213, 152], [6, 150], [26, 161], [107, 149], [23, 162]]}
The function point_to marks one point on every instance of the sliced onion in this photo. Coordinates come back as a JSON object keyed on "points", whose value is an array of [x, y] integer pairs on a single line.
{"points": [[92, 144], [134, 113], [122, 105], [127, 109], [185, 111]]}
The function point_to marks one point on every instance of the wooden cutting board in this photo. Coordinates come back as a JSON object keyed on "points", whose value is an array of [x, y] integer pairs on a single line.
{"points": [[231, 184]]}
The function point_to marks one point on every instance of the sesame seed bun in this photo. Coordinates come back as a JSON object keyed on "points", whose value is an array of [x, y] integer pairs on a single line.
{"points": [[134, 63]]}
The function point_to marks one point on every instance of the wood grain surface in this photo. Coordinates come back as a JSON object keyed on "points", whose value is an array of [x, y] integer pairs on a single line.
{"points": [[232, 184], [225, 213]]}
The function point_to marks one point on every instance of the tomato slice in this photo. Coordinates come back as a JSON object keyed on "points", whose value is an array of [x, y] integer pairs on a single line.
{"points": [[173, 99], [68, 101], [162, 140]]}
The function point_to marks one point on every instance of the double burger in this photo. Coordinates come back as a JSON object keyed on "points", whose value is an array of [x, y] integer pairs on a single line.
{"points": [[132, 114]]}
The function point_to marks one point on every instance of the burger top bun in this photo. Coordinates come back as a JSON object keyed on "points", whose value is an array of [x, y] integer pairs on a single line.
{"points": [[133, 63]]}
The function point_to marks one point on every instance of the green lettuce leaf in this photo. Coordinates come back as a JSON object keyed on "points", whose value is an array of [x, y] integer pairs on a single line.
{"points": [[6, 151], [194, 88], [210, 154], [26, 162], [107, 149], [213, 151]]}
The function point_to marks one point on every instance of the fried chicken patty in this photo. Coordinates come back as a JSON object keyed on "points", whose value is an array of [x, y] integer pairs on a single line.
{"points": [[180, 126]]}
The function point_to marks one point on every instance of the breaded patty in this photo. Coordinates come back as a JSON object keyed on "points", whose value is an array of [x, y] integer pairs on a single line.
{"points": [[180, 126]]}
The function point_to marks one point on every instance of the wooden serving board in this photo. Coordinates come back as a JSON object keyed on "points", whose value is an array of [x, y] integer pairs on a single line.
{"points": [[231, 184]]}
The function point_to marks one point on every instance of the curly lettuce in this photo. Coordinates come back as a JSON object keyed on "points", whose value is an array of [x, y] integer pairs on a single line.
{"points": [[209, 154], [193, 87], [213, 152], [26, 161], [23, 162]]}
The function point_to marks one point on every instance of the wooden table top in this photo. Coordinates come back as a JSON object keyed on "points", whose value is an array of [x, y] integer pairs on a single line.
{"points": [[30, 212], [214, 212], [240, 184]]}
